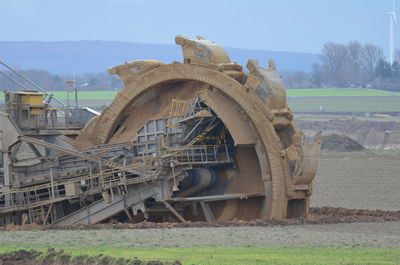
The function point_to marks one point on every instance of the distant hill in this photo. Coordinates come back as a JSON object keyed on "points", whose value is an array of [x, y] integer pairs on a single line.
{"points": [[79, 57]]}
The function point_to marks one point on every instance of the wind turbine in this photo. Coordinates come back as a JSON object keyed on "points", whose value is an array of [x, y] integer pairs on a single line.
{"points": [[392, 26]]}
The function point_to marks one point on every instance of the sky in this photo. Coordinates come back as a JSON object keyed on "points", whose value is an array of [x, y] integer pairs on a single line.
{"points": [[280, 25]]}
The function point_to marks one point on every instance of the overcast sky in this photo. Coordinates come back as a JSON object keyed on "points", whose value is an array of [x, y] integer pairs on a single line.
{"points": [[283, 25]]}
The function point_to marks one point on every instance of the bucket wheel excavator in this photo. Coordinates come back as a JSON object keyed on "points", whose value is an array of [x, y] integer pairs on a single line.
{"points": [[202, 140]]}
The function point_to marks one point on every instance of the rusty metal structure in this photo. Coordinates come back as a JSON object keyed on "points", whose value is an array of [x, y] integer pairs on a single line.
{"points": [[202, 140]]}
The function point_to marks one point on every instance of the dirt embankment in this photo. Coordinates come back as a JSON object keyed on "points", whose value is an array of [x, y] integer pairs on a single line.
{"points": [[52, 257], [370, 134], [324, 215], [340, 143]]}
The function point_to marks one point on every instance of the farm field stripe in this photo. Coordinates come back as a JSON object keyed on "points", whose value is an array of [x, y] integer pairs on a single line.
{"points": [[248, 255]]}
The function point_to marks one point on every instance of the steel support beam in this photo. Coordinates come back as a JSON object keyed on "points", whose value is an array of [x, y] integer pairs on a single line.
{"points": [[215, 197], [177, 215], [101, 210], [208, 214], [75, 153]]}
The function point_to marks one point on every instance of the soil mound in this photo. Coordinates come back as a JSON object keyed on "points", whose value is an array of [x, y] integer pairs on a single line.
{"points": [[340, 143], [52, 257], [370, 134], [332, 215]]}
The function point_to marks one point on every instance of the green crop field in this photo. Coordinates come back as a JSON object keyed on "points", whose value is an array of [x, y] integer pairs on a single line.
{"points": [[299, 100], [246, 255], [87, 95], [317, 92], [338, 92], [345, 104]]}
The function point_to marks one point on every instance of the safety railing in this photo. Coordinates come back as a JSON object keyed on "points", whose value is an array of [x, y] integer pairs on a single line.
{"points": [[54, 118], [200, 154], [179, 109], [29, 197], [1, 176], [109, 178], [49, 118]]}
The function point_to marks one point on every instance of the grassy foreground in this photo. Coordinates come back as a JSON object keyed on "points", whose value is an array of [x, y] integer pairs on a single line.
{"points": [[247, 255]]}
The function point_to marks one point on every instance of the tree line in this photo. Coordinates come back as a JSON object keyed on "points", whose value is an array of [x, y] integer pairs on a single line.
{"points": [[349, 65], [341, 65], [54, 82]]}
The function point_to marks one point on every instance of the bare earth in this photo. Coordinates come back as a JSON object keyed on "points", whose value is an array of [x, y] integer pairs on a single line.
{"points": [[362, 180], [360, 235]]}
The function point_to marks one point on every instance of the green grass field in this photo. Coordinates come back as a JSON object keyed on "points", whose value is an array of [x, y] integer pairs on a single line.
{"points": [[345, 104], [317, 92], [86, 95], [338, 92], [300, 100], [247, 255]]}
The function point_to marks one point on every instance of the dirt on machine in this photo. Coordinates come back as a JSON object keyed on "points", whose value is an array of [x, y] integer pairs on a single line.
{"points": [[203, 140]]}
